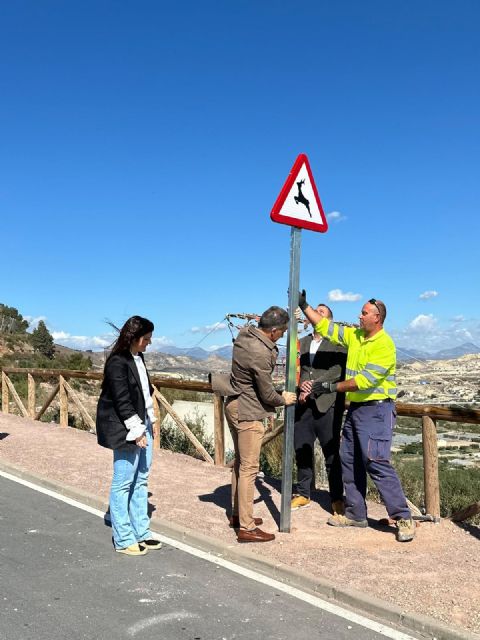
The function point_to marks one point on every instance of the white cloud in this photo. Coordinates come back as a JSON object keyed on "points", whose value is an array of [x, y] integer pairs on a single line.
{"points": [[464, 334], [33, 321], [97, 343], [161, 341], [209, 328], [423, 323], [426, 295], [337, 295], [60, 335], [459, 318], [214, 347], [336, 216], [83, 343], [429, 334]]}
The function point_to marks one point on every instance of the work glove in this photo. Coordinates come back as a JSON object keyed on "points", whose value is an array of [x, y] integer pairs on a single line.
{"points": [[302, 300], [318, 388]]}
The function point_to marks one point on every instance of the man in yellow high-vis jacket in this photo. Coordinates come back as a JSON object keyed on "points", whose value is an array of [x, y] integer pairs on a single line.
{"points": [[368, 428]]}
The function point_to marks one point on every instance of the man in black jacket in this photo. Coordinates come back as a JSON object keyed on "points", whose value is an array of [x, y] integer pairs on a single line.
{"points": [[319, 417]]}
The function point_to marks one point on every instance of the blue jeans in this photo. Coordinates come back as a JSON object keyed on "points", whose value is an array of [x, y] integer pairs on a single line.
{"points": [[365, 448], [129, 494]]}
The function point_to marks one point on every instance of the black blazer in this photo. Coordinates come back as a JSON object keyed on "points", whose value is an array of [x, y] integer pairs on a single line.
{"points": [[120, 399], [328, 364]]}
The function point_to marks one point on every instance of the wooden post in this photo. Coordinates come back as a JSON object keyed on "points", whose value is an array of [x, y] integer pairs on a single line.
{"points": [[156, 425], [83, 412], [181, 424], [47, 402], [63, 403], [31, 396], [218, 429], [16, 397], [5, 394], [430, 467]]}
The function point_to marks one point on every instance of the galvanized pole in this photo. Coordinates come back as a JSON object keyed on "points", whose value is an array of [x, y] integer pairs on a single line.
{"points": [[295, 247]]}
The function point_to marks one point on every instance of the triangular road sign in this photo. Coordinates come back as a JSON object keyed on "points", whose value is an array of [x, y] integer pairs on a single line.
{"points": [[298, 204]]}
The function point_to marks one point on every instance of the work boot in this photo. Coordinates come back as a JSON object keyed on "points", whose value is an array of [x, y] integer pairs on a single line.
{"points": [[338, 507], [299, 502], [342, 521], [405, 530]]}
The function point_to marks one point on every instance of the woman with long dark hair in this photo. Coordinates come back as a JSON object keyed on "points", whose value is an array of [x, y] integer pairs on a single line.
{"points": [[124, 423]]}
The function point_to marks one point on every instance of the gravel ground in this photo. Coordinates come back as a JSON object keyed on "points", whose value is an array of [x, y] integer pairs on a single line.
{"points": [[435, 575]]}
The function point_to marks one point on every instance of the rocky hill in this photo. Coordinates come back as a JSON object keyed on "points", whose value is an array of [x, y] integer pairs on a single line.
{"points": [[456, 380]]}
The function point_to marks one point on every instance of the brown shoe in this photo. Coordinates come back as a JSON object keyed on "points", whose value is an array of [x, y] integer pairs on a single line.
{"points": [[235, 522], [254, 535]]}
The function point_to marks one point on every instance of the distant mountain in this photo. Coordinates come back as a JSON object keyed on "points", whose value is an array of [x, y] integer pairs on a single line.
{"points": [[198, 353], [456, 352], [223, 352], [406, 355], [195, 352]]}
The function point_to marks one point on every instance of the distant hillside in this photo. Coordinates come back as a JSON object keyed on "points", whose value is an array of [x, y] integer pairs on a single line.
{"points": [[456, 352], [198, 353], [406, 355]]}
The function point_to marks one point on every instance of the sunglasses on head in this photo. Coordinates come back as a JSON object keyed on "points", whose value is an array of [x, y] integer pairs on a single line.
{"points": [[374, 302]]}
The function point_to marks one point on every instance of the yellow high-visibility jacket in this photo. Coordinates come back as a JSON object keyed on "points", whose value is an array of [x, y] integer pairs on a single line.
{"points": [[371, 361]]}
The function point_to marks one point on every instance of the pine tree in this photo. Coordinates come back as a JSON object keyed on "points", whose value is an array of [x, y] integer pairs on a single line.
{"points": [[42, 341], [11, 321]]}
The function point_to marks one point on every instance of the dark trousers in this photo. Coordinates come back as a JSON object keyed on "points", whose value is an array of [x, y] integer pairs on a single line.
{"points": [[309, 425], [366, 443]]}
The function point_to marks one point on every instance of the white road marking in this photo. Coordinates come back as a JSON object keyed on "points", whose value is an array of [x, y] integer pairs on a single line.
{"points": [[315, 601], [164, 617]]}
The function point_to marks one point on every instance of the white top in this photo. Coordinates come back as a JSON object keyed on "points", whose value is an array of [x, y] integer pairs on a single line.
{"points": [[134, 424], [313, 349]]}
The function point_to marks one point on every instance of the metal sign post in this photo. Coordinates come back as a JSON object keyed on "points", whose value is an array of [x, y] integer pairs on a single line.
{"points": [[291, 382], [299, 206]]}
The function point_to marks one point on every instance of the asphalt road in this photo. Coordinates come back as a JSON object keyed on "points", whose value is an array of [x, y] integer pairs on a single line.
{"points": [[61, 580]]}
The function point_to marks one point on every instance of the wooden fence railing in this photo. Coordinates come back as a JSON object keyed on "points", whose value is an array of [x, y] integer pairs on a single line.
{"points": [[66, 393], [429, 414]]}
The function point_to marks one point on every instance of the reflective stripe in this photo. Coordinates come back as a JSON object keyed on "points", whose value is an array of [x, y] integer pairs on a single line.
{"points": [[390, 378], [331, 327], [341, 331], [351, 372], [390, 392], [375, 367], [369, 376]]}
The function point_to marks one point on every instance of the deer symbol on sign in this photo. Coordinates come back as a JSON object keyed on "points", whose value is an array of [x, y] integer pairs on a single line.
{"points": [[301, 198]]}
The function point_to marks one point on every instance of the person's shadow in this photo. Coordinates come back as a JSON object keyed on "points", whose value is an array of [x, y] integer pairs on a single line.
{"points": [[220, 497], [472, 529]]}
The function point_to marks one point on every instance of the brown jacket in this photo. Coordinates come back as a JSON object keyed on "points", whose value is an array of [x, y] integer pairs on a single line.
{"points": [[253, 361]]}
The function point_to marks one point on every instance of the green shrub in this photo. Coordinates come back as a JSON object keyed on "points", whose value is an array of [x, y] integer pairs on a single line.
{"points": [[173, 438]]}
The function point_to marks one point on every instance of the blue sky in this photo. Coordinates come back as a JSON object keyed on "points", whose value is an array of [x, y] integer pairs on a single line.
{"points": [[143, 145]]}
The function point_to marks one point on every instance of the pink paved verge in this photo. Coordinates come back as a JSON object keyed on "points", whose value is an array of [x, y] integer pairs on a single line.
{"points": [[435, 575]]}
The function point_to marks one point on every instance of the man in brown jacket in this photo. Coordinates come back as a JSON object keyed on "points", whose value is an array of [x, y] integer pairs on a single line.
{"points": [[251, 397]]}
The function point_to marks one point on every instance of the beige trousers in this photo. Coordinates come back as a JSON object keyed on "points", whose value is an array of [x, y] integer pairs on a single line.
{"points": [[247, 440]]}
